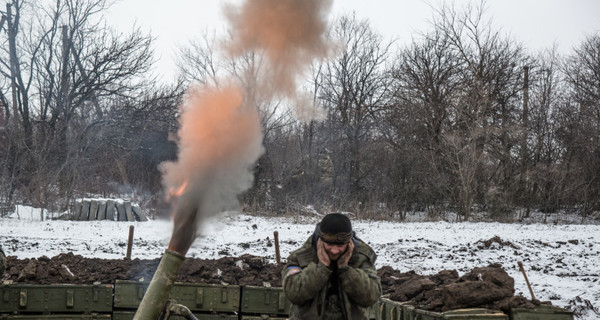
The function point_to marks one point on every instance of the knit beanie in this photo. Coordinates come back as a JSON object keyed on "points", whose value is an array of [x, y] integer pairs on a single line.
{"points": [[335, 228]]}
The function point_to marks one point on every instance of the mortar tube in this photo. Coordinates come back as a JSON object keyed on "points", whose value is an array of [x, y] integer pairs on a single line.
{"points": [[160, 287]]}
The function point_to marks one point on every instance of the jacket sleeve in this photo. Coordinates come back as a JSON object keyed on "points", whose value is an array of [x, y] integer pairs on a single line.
{"points": [[303, 285], [2, 262], [360, 281]]}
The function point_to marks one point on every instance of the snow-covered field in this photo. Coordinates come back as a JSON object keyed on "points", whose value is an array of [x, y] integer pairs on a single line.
{"points": [[561, 261]]}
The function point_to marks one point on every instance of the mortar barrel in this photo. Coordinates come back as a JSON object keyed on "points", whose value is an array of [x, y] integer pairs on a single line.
{"points": [[160, 287]]}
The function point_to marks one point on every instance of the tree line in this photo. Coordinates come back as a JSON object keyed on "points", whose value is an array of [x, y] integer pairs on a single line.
{"points": [[461, 119]]}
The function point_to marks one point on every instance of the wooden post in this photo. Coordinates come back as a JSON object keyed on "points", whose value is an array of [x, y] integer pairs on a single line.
{"points": [[129, 243], [277, 256], [526, 280]]}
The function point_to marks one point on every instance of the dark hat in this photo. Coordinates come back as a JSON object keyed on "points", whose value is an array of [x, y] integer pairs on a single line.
{"points": [[335, 228]]}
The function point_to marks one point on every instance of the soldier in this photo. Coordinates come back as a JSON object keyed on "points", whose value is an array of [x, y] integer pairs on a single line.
{"points": [[332, 276], [2, 262]]}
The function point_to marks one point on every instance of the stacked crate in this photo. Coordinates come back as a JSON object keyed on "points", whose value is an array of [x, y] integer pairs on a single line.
{"points": [[393, 310], [210, 302], [206, 301], [541, 313], [61, 301], [264, 303]]}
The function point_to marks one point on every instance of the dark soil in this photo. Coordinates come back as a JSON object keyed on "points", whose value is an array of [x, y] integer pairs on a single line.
{"points": [[75, 269], [488, 287]]}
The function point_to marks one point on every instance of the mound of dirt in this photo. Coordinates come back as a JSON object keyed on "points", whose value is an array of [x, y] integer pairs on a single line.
{"points": [[75, 269], [495, 241], [488, 287]]}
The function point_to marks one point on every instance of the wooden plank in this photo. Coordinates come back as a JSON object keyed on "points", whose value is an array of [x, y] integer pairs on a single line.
{"points": [[121, 216], [128, 211], [110, 210], [138, 214], [102, 211], [93, 210], [85, 210]]}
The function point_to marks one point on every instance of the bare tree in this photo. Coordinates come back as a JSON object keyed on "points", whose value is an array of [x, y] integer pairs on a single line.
{"points": [[541, 152], [486, 116], [64, 66], [355, 89], [580, 127], [426, 85]]}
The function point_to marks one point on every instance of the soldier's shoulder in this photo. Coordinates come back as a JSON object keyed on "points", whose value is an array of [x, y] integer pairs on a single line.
{"points": [[305, 254], [366, 251]]}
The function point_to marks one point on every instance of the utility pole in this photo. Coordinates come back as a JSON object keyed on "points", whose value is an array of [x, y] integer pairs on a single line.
{"points": [[12, 49], [524, 137], [525, 111], [64, 78]]}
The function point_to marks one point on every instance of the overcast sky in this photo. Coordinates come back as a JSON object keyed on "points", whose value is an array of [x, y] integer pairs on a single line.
{"points": [[535, 23]]}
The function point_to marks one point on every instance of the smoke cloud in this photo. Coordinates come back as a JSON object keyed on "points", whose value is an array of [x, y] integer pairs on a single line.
{"points": [[220, 137], [291, 33]]}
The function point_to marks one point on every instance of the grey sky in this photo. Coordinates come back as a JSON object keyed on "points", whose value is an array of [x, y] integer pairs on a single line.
{"points": [[535, 23]]}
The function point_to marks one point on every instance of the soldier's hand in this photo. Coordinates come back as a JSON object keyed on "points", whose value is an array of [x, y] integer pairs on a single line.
{"points": [[322, 254], [344, 258]]}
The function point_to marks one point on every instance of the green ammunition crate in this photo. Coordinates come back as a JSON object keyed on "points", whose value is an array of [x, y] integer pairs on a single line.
{"points": [[374, 311], [57, 317], [264, 301], [271, 303], [389, 310], [412, 313], [263, 317], [128, 315], [541, 313], [197, 297], [58, 298]]}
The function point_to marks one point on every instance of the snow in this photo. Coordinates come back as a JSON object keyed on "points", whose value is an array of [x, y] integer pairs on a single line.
{"points": [[561, 260]]}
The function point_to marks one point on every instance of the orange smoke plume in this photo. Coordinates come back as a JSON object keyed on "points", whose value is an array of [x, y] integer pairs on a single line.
{"points": [[291, 33], [220, 137], [177, 192], [219, 141]]}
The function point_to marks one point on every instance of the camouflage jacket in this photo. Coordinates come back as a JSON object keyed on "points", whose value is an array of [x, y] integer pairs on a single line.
{"points": [[318, 292], [2, 262]]}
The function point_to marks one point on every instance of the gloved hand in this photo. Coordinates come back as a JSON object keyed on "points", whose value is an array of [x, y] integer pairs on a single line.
{"points": [[322, 254], [345, 257]]}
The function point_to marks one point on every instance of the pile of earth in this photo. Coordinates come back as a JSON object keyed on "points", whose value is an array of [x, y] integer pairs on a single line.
{"points": [[75, 269], [483, 287], [487, 287]]}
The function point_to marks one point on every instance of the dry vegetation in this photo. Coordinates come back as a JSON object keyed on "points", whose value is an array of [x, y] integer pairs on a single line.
{"points": [[445, 123]]}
